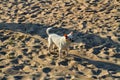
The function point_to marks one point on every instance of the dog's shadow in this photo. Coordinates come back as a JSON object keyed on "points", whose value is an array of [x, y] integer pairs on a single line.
{"points": [[99, 64]]}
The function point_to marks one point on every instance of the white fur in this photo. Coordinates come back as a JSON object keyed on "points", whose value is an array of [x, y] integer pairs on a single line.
{"points": [[59, 41]]}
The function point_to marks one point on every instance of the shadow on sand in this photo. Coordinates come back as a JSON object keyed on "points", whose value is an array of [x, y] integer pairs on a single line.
{"points": [[99, 64]]}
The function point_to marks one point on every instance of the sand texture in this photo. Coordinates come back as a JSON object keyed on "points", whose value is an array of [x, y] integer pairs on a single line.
{"points": [[94, 54]]}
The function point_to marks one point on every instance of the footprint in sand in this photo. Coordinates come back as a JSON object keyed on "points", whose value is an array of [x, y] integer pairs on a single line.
{"points": [[46, 70], [64, 62], [42, 56]]}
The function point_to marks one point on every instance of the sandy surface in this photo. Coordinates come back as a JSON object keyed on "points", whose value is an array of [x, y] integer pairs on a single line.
{"points": [[95, 54]]}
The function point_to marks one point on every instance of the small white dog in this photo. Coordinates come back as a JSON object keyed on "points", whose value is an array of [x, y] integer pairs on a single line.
{"points": [[62, 42]]}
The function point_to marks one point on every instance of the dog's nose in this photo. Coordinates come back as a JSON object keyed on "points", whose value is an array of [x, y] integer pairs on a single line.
{"points": [[72, 40]]}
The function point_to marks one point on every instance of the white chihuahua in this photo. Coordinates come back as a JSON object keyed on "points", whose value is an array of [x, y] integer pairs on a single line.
{"points": [[62, 42]]}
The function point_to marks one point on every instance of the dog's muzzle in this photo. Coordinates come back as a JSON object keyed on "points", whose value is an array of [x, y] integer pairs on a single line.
{"points": [[71, 40]]}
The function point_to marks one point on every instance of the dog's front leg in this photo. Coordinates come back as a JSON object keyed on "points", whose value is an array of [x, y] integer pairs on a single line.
{"points": [[67, 51], [60, 53]]}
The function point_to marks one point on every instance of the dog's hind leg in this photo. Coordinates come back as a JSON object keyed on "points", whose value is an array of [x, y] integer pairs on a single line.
{"points": [[66, 51], [50, 43]]}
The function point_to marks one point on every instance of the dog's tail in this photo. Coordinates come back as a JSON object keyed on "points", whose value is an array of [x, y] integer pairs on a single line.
{"points": [[48, 29]]}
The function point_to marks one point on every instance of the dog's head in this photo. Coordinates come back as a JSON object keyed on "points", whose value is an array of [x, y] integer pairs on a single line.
{"points": [[69, 37]]}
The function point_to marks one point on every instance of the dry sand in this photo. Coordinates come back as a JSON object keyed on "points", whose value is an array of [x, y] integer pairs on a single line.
{"points": [[95, 54]]}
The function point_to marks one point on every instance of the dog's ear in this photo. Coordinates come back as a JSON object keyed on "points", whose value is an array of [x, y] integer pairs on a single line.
{"points": [[65, 36], [71, 32]]}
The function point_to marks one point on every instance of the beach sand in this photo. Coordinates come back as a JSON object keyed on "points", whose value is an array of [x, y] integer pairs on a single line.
{"points": [[95, 54]]}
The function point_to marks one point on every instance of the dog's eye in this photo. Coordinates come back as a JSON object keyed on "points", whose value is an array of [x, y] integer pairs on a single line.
{"points": [[70, 39]]}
